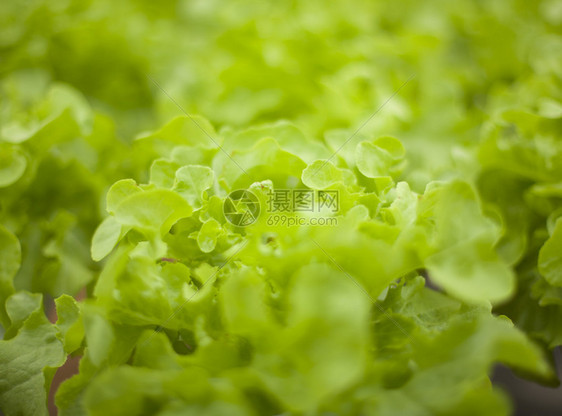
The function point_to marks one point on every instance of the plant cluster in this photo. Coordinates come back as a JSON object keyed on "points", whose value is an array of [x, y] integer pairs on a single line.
{"points": [[437, 125]]}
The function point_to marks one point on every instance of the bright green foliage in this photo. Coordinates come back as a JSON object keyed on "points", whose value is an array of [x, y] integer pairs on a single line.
{"points": [[550, 257], [69, 323], [192, 181], [13, 165], [208, 234], [467, 265], [29, 357], [438, 125], [105, 238], [152, 211], [10, 259]]}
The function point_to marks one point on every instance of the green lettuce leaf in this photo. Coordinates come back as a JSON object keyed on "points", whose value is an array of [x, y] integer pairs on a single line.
{"points": [[29, 358]]}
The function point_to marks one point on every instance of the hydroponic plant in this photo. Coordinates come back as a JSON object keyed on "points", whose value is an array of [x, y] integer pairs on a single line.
{"points": [[278, 208]]}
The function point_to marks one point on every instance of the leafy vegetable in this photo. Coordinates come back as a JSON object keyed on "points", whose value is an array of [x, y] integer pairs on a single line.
{"points": [[416, 152], [31, 355]]}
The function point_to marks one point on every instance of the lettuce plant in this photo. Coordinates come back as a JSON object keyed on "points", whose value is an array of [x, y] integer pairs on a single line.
{"points": [[420, 245]]}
